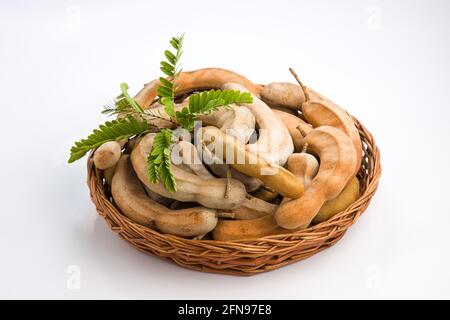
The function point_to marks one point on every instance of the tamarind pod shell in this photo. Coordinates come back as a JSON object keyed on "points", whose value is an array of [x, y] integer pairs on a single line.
{"points": [[108, 174], [229, 230], [337, 163], [295, 126], [331, 207], [265, 194], [107, 155], [130, 197], [207, 78], [283, 94], [324, 112], [253, 208], [237, 121], [251, 164], [166, 202], [274, 141], [190, 187], [282, 109], [304, 166], [176, 205], [251, 184]]}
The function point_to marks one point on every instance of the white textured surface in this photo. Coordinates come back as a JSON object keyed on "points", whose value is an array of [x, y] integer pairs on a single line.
{"points": [[385, 61]]}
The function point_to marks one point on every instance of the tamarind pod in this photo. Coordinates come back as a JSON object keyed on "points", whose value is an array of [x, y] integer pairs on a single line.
{"points": [[190, 188], [316, 96], [131, 199], [327, 113], [229, 230], [349, 195], [237, 121], [304, 166], [132, 143], [176, 205], [282, 109], [251, 184], [185, 167], [167, 202], [107, 155], [274, 142], [187, 153], [337, 163], [207, 78], [108, 174], [295, 126], [222, 170], [283, 94], [265, 194], [251, 164], [253, 208]]}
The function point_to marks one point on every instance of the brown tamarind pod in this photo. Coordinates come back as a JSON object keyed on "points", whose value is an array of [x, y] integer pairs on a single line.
{"points": [[129, 195], [207, 78], [337, 165]]}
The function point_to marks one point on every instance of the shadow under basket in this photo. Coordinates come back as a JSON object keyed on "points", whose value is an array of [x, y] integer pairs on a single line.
{"points": [[244, 257]]}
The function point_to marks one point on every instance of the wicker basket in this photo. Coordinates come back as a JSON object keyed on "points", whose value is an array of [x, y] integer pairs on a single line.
{"points": [[245, 257]]}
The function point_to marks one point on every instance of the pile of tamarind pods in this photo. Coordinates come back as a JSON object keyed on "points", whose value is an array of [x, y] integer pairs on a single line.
{"points": [[313, 149]]}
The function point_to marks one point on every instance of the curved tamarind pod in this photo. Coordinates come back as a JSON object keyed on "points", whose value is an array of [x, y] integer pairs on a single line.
{"points": [[349, 195], [274, 142], [224, 170], [251, 184], [251, 164], [130, 197], [108, 174], [229, 230], [303, 165], [132, 143], [183, 152], [337, 164], [253, 208], [177, 205], [265, 194], [295, 126], [282, 109], [237, 121], [283, 94], [207, 78], [167, 202], [316, 96], [250, 208], [190, 188], [306, 166], [327, 113]]}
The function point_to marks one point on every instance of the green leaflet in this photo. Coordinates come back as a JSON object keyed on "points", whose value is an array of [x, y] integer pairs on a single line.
{"points": [[109, 131], [123, 104], [204, 103], [171, 68], [158, 161]]}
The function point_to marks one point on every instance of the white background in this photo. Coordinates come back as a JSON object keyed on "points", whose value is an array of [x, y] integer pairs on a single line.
{"points": [[387, 62]]}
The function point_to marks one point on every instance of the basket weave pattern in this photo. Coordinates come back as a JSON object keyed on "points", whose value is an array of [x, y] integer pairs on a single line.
{"points": [[245, 257]]}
